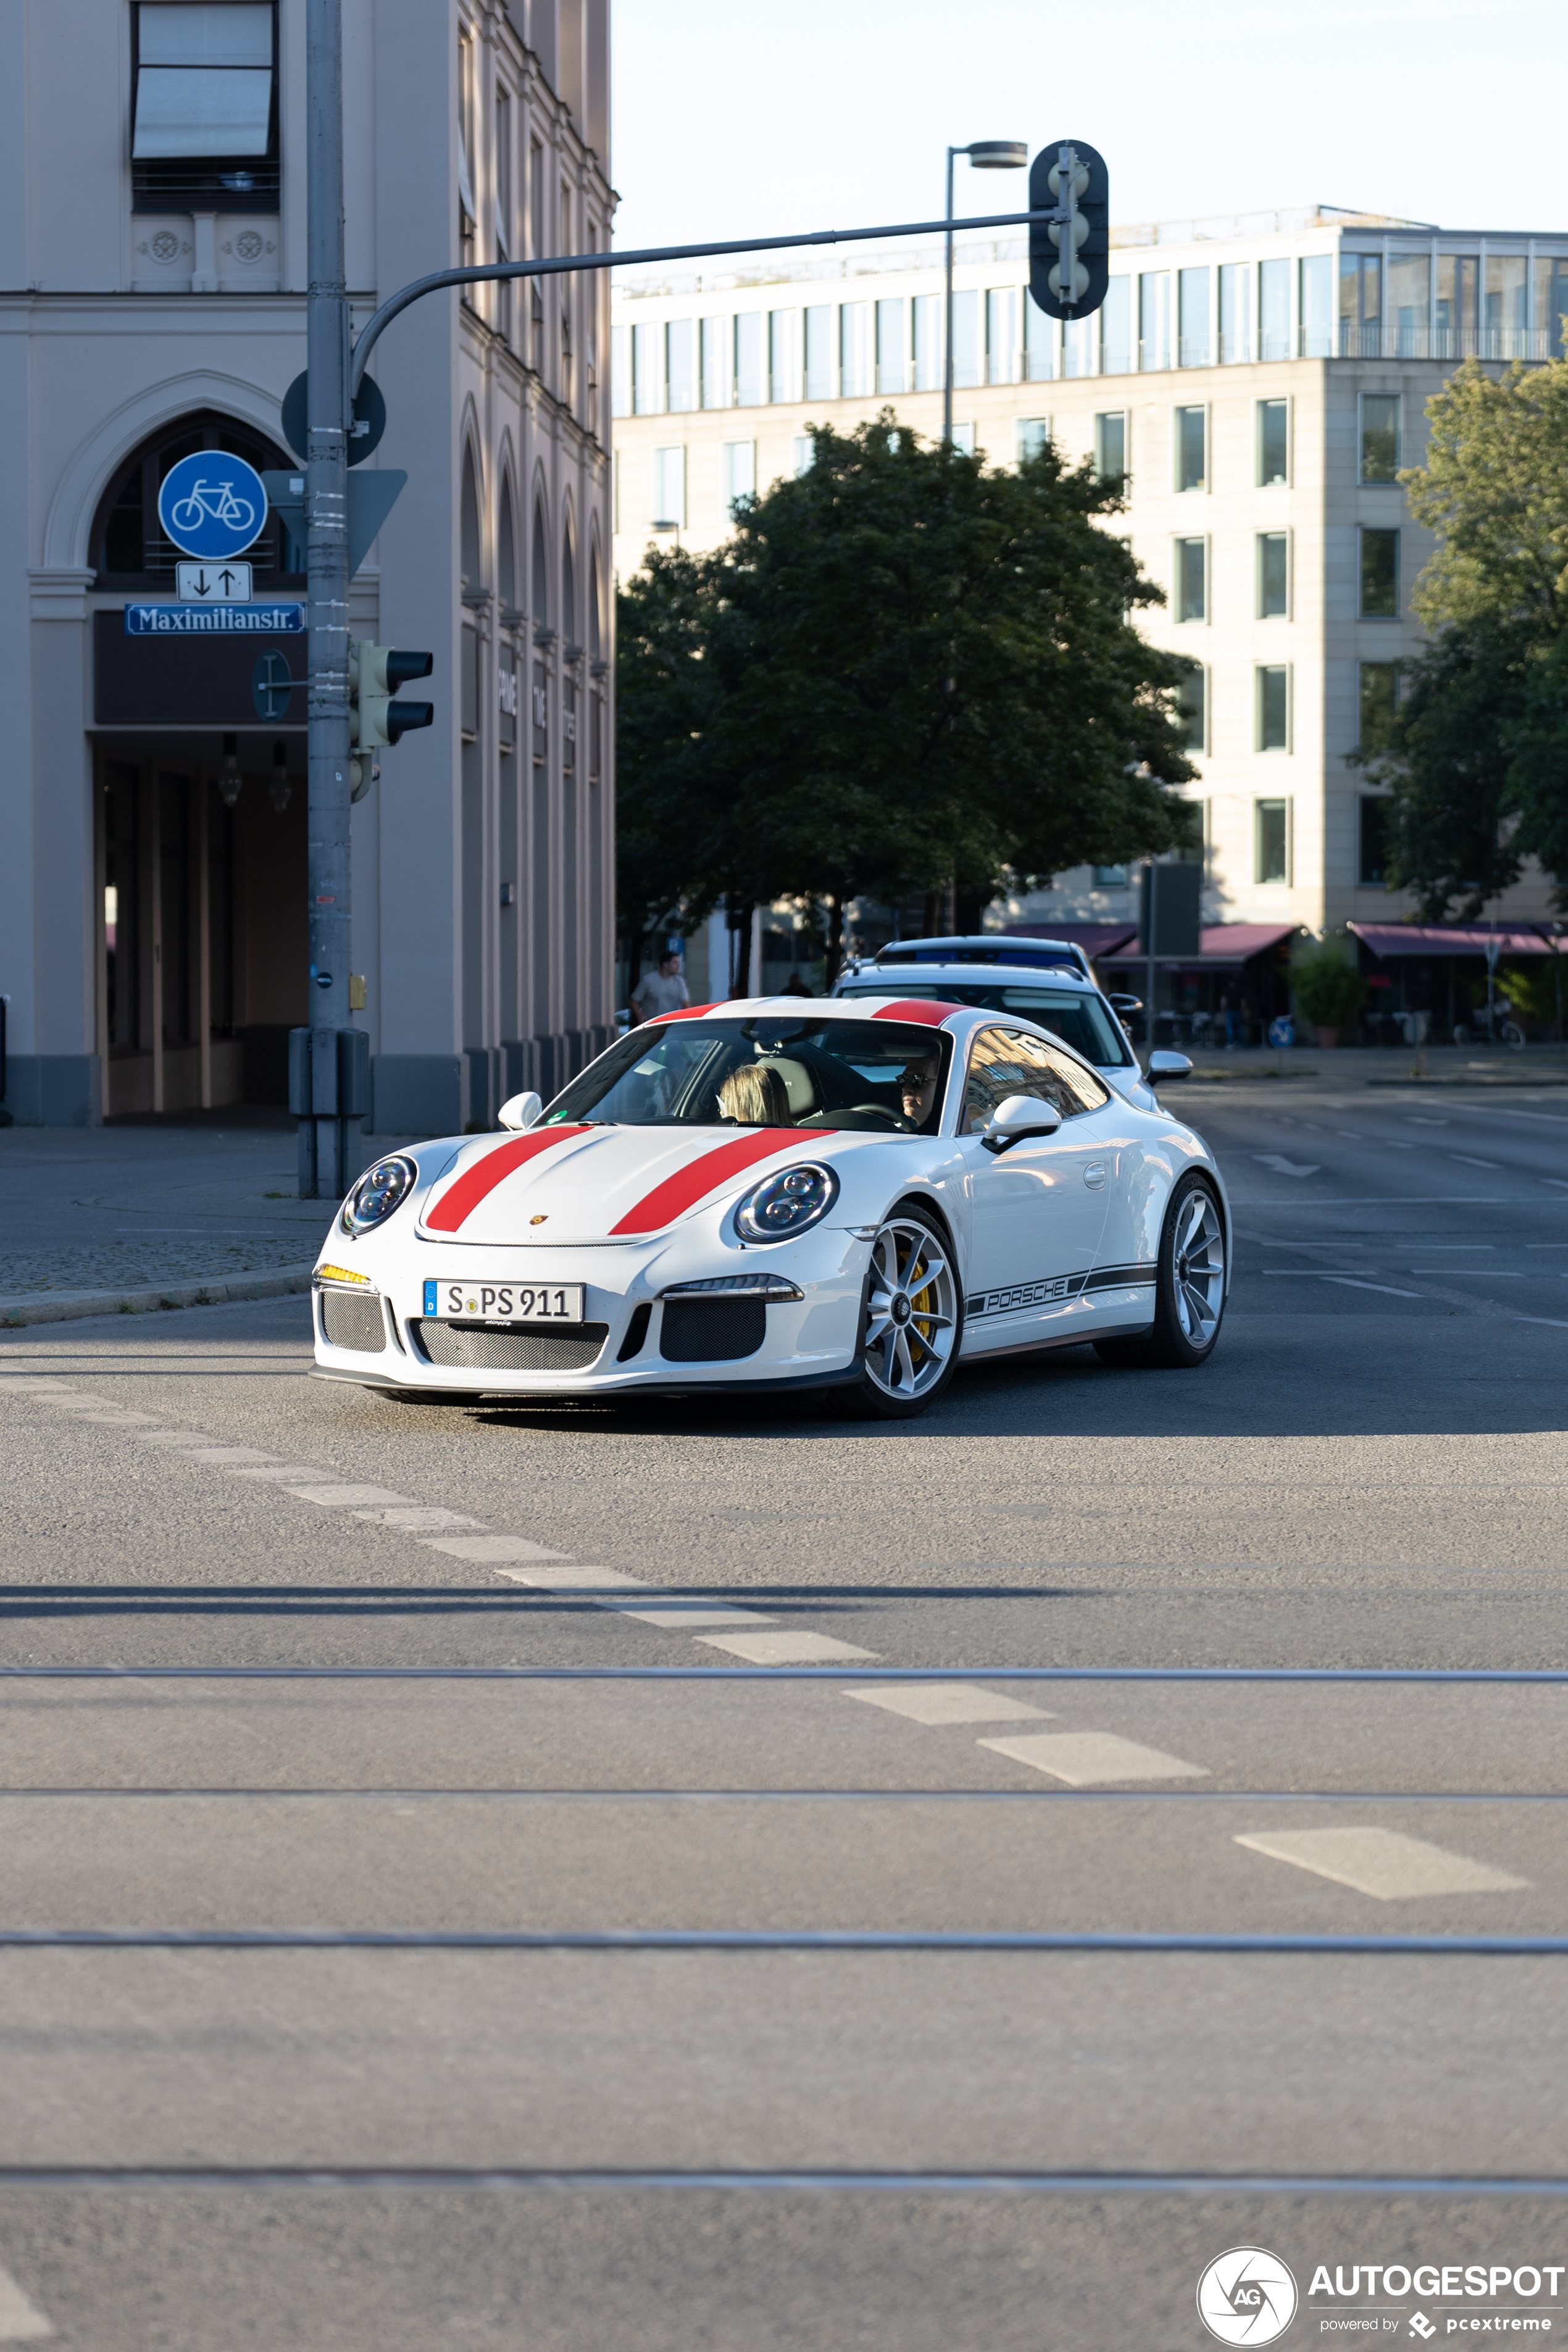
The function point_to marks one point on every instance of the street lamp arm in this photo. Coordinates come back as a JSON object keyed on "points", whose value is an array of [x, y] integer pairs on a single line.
{"points": [[477, 273]]}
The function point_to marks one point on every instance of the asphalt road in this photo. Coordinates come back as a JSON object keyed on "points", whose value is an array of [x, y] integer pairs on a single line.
{"points": [[678, 1875]]}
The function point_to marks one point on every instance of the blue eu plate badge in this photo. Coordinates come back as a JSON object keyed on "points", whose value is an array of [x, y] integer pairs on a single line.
{"points": [[430, 1298]]}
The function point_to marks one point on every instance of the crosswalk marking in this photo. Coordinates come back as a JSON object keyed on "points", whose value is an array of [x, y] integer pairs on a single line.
{"points": [[488, 1551], [1383, 1862], [341, 1495], [1281, 1166], [21, 2321], [1084, 1759], [551, 1572], [949, 1703], [687, 1616], [790, 1649]]}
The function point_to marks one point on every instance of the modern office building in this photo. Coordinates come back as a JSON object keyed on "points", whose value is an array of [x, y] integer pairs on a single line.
{"points": [[1258, 382], [153, 825]]}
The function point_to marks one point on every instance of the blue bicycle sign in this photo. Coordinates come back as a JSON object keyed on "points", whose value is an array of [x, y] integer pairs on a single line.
{"points": [[212, 504]]}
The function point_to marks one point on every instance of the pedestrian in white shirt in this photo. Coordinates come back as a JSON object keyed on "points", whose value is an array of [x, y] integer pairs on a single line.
{"points": [[663, 991]]}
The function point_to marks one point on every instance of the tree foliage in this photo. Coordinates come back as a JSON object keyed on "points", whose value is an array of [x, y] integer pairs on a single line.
{"points": [[904, 668], [1477, 752]]}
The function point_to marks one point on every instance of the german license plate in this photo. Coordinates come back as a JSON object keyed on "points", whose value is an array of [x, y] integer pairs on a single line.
{"points": [[504, 1302]]}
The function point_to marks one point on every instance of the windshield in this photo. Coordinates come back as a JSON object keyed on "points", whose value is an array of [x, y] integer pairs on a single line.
{"points": [[886, 1076], [1080, 1019]]}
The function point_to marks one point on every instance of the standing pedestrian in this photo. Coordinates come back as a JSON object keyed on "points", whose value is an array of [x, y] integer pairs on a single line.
{"points": [[663, 991]]}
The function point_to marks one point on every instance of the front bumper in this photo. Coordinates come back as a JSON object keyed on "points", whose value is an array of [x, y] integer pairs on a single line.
{"points": [[813, 1338]]}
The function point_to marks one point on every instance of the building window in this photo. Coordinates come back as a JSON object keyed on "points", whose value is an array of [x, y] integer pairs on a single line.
{"points": [[679, 371], [1040, 340], [1111, 446], [782, 385], [1377, 704], [1458, 287], [854, 358], [1109, 877], [740, 472], [1273, 443], [1193, 299], [803, 452], [1372, 859], [965, 340], [1235, 313], [1273, 707], [1408, 306], [1001, 335], [1271, 841], [1318, 307], [1193, 709], [1034, 432], [1273, 309], [750, 388], [963, 439], [620, 371], [1380, 436], [1080, 344], [1191, 448], [1273, 575], [647, 369], [669, 489], [1192, 580], [127, 547], [820, 351], [1154, 319], [893, 345], [713, 336], [1380, 575], [204, 117], [1115, 327]]}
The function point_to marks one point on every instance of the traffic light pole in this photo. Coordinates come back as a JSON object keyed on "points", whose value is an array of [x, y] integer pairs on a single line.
{"points": [[323, 1069]]}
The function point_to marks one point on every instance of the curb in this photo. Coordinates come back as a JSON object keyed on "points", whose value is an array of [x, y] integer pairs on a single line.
{"points": [[66, 1305]]}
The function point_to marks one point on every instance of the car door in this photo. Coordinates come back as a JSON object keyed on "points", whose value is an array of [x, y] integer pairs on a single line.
{"points": [[1038, 1211]]}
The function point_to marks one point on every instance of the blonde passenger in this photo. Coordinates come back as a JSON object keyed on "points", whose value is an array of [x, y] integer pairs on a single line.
{"points": [[754, 1096]]}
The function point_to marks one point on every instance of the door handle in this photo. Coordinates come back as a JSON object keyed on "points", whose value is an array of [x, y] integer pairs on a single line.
{"points": [[1094, 1175]]}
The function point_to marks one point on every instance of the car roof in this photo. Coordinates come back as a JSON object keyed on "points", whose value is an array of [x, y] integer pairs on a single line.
{"points": [[979, 947], [868, 980]]}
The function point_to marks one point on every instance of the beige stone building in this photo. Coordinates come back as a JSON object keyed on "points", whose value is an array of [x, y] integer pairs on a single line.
{"points": [[1259, 381]]}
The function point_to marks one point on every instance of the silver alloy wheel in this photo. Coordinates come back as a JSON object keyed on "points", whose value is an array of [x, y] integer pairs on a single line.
{"points": [[911, 1310], [1198, 1267]]}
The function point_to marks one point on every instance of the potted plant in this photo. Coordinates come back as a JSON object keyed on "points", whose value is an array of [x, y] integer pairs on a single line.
{"points": [[1329, 991]]}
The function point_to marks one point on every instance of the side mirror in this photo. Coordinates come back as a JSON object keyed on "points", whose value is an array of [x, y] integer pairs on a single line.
{"points": [[1167, 1067], [521, 1111], [1019, 1118]]}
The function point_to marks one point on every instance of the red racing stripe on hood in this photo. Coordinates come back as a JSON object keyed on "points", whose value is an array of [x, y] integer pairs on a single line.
{"points": [[929, 1008], [682, 1013], [478, 1180], [690, 1184]]}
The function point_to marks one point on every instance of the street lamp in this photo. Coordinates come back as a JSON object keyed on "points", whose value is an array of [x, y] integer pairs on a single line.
{"points": [[985, 156]]}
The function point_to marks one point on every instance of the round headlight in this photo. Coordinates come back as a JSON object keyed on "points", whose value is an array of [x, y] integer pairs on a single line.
{"points": [[378, 1193], [785, 1204]]}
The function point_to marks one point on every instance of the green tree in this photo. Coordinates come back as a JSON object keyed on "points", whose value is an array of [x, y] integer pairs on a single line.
{"points": [[1495, 490], [914, 669], [1328, 988]]}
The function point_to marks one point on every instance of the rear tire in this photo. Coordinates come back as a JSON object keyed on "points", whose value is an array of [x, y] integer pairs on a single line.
{"points": [[1189, 1286], [911, 1322]]}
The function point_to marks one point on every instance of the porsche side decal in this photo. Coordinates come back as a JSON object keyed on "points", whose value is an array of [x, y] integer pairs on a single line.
{"points": [[480, 1179], [684, 1012], [1051, 1290], [700, 1177]]}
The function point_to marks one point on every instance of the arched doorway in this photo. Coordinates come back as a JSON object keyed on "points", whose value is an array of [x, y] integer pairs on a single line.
{"points": [[200, 816]]}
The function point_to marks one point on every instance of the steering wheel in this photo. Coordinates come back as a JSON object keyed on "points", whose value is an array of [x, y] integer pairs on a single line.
{"points": [[879, 1111]]}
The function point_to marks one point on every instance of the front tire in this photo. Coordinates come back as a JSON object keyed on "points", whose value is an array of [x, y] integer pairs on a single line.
{"points": [[1189, 1286], [912, 1321]]}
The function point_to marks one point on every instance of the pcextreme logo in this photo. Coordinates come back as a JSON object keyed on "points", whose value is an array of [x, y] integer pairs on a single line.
{"points": [[1247, 2296]]}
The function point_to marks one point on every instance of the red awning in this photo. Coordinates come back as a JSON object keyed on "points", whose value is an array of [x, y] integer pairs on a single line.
{"points": [[1446, 940], [1094, 938], [1222, 946]]}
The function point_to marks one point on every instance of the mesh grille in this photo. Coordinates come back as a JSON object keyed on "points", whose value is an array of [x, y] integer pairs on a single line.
{"points": [[352, 1322], [524, 1348], [711, 1330]]}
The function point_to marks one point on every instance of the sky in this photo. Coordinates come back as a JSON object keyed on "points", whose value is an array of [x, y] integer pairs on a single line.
{"points": [[752, 117]]}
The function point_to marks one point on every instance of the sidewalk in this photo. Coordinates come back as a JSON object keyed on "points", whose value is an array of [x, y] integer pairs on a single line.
{"points": [[1382, 1065], [105, 1220]]}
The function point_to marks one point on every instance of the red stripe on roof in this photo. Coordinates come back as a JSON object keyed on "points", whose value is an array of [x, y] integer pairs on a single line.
{"points": [[682, 1013], [480, 1179], [693, 1183], [933, 1010]]}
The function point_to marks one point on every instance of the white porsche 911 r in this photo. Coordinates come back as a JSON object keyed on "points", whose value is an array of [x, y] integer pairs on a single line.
{"points": [[781, 1192]]}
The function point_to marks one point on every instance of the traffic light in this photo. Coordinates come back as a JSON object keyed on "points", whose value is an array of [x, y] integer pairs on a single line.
{"points": [[375, 717], [1069, 253]]}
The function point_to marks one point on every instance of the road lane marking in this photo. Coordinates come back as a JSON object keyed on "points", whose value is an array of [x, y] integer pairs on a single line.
{"points": [[1556, 1183], [418, 1519], [1417, 1120], [1383, 1862], [21, 2321], [683, 1616], [1083, 1758], [1482, 1273], [344, 1495], [949, 1703], [1468, 1160], [791, 1649], [569, 1577], [282, 1473], [488, 1551], [1354, 1282], [1300, 1273], [1282, 1166]]}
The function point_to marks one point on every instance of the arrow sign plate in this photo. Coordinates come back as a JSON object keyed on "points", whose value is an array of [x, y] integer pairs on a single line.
{"points": [[212, 583]]}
